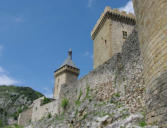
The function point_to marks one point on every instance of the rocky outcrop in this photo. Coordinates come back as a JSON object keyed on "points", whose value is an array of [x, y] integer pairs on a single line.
{"points": [[14, 100]]}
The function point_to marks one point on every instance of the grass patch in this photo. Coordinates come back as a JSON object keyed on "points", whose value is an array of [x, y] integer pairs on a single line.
{"points": [[117, 95], [87, 91], [142, 123], [77, 102], [59, 117], [13, 126], [64, 103]]}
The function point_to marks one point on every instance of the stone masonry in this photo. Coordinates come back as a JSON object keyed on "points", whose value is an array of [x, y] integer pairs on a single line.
{"points": [[109, 33], [37, 111], [121, 74], [152, 27], [67, 73], [136, 71]]}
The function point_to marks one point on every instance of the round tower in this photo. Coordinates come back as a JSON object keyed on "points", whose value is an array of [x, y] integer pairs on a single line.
{"points": [[66, 74], [152, 27]]}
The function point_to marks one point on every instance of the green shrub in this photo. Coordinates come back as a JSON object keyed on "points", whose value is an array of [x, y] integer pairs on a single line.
{"points": [[87, 91], [80, 94], [77, 103], [142, 123], [117, 95], [1, 124], [18, 126], [13, 126], [49, 115], [20, 110], [59, 117], [64, 103], [45, 101]]}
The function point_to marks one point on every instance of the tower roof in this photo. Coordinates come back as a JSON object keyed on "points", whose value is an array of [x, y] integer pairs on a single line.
{"points": [[69, 61], [68, 65]]}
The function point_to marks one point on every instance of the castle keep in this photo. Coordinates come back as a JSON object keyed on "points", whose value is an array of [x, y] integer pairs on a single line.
{"points": [[109, 33]]}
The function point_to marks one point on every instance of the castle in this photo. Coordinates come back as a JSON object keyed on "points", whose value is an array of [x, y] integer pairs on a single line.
{"points": [[134, 67]]}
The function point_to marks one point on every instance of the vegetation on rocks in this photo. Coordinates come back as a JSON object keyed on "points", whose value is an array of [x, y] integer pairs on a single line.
{"points": [[94, 114], [64, 103], [14, 100], [45, 101]]}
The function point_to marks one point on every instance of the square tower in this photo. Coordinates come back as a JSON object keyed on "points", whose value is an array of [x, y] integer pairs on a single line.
{"points": [[66, 74], [109, 33]]}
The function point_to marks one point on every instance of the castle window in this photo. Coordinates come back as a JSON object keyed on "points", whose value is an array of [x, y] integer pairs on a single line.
{"points": [[125, 34], [105, 42]]}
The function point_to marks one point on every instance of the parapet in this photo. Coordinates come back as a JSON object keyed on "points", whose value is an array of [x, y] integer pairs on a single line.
{"points": [[114, 14], [67, 68]]}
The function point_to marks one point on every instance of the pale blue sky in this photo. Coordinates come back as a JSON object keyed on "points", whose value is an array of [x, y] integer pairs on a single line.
{"points": [[35, 36]]}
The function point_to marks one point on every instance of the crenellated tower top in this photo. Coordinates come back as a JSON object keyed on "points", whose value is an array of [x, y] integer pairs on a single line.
{"points": [[114, 14]]}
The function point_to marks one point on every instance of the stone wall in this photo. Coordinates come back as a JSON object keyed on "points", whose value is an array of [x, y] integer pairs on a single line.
{"points": [[39, 111], [151, 21], [117, 35], [57, 83], [108, 34], [25, 117], [102, 44], [121, 74]]}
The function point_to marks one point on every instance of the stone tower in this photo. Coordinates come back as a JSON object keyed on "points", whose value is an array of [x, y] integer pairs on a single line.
{"points": [[109, 33], [151, 18], [67, 73]]}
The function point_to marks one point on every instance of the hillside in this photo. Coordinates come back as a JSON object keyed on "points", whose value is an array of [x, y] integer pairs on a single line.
{"points": [[14, 100]]}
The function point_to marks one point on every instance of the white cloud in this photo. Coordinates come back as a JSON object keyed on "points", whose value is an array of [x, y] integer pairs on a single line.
{"points": [[5, 79], [90, 2], [128, 7]]}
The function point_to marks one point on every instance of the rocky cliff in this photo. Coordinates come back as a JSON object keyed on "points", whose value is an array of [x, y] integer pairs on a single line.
{"points": [[14, 100]]}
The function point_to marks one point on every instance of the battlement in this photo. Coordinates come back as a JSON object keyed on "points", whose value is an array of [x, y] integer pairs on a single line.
{"points": [[114, 14]]}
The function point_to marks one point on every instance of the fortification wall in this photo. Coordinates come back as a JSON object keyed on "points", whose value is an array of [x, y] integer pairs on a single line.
{"points": [[152, 28], [25, 117], [39, 111], [122, 73]]}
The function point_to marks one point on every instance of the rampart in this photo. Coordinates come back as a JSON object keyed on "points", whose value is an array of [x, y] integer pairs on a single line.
{"points": [[25, 117], [152, 27], [121, 74], [38, 111]]}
